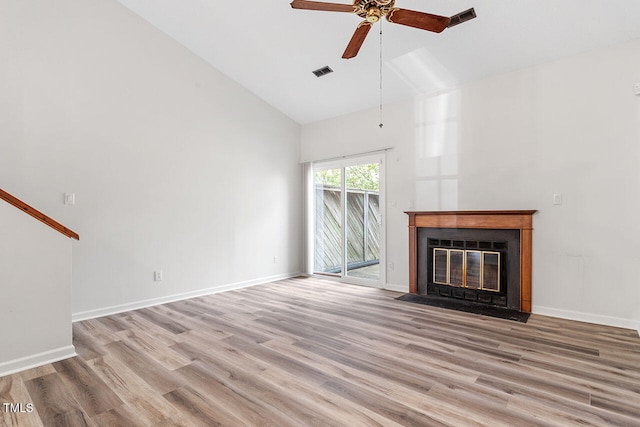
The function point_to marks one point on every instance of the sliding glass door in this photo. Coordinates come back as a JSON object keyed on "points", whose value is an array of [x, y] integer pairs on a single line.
{"points": [[348, 238]]}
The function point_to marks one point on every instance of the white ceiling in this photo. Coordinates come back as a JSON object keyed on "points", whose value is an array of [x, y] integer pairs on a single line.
{"points": [[271, 49]]}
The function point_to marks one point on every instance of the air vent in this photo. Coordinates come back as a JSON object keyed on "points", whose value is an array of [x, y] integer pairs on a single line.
{"points": [[323, 71], [461, 17]]}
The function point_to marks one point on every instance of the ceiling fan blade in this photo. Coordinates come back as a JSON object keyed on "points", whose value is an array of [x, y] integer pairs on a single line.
{"points": [[356, 40], [316, 5], [421, 20]]}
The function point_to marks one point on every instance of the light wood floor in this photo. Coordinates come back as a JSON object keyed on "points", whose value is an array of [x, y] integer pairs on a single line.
{"points": [[310, 352]]}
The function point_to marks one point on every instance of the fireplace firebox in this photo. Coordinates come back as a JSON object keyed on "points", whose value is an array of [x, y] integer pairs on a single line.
{"points": [[481, 257], [470, 264]]}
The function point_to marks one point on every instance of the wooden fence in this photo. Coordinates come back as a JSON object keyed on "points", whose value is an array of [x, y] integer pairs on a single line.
{"points": [[363, 229]]}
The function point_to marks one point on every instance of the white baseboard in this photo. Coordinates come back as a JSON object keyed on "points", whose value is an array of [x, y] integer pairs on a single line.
{"points": [[107, 311], [588, 317], [35, 360], [396, 287]]}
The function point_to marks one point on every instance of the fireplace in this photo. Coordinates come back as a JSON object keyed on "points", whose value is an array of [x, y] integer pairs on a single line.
{"points": [[480, 257]]}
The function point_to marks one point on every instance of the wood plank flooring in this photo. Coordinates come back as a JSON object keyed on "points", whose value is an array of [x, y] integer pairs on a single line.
{"points": [[309, 352]]}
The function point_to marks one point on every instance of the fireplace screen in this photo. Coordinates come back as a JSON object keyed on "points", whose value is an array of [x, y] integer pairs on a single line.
{"points": [[475, 265], [473, 269]]}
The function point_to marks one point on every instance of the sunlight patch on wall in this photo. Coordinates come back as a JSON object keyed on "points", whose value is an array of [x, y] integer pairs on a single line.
{"points": [[436, 151], [422, 72]]}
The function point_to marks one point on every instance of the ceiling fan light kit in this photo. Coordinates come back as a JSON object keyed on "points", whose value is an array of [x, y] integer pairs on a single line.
{"points": [[372, 10], [373, 15]]}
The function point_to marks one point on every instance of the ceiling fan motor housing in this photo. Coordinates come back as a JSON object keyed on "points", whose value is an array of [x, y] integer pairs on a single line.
{"points": [[373, 10]]}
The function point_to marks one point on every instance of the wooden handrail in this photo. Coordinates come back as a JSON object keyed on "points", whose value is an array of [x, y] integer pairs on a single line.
{"points": [[38, 215]]}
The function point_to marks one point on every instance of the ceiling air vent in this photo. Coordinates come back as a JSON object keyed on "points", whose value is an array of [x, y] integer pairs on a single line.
{"points": [[322, 71], [461, 17]]}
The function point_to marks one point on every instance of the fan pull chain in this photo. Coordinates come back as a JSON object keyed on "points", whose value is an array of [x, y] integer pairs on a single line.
{"points": [[380, 75]]}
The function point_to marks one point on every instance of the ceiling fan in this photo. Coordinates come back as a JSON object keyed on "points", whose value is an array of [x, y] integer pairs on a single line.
{"points": [[373, 10]]}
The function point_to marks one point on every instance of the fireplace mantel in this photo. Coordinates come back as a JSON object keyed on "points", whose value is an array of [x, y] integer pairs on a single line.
{"points": [[498, 220]]}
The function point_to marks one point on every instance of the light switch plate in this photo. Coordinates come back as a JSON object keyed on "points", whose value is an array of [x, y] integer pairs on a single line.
{"points": [[69, 198]]}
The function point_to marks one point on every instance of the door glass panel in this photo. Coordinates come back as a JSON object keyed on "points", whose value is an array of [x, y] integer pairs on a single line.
{"points": [[328, 221], [473, 269], [456, 267], [362, 183], [491, 271], [440, 266]]}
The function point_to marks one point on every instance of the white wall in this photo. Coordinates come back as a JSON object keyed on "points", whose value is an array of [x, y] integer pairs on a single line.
{"points": [[35, 292], [174, 166], [510, 142]]}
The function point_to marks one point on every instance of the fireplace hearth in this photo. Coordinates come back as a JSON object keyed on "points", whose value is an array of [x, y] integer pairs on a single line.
{"points": [[475, 257]]}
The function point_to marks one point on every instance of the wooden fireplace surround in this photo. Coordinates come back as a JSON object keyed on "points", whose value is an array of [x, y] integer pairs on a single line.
{"points": [[496, 220]]}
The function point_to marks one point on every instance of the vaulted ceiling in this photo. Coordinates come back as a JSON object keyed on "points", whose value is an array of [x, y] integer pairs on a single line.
{"points": [[272, 49]]}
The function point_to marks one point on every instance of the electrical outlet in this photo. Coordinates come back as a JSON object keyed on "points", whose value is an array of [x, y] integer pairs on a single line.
{"points": [[275, 259], [157, 276], [636, 88]]}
